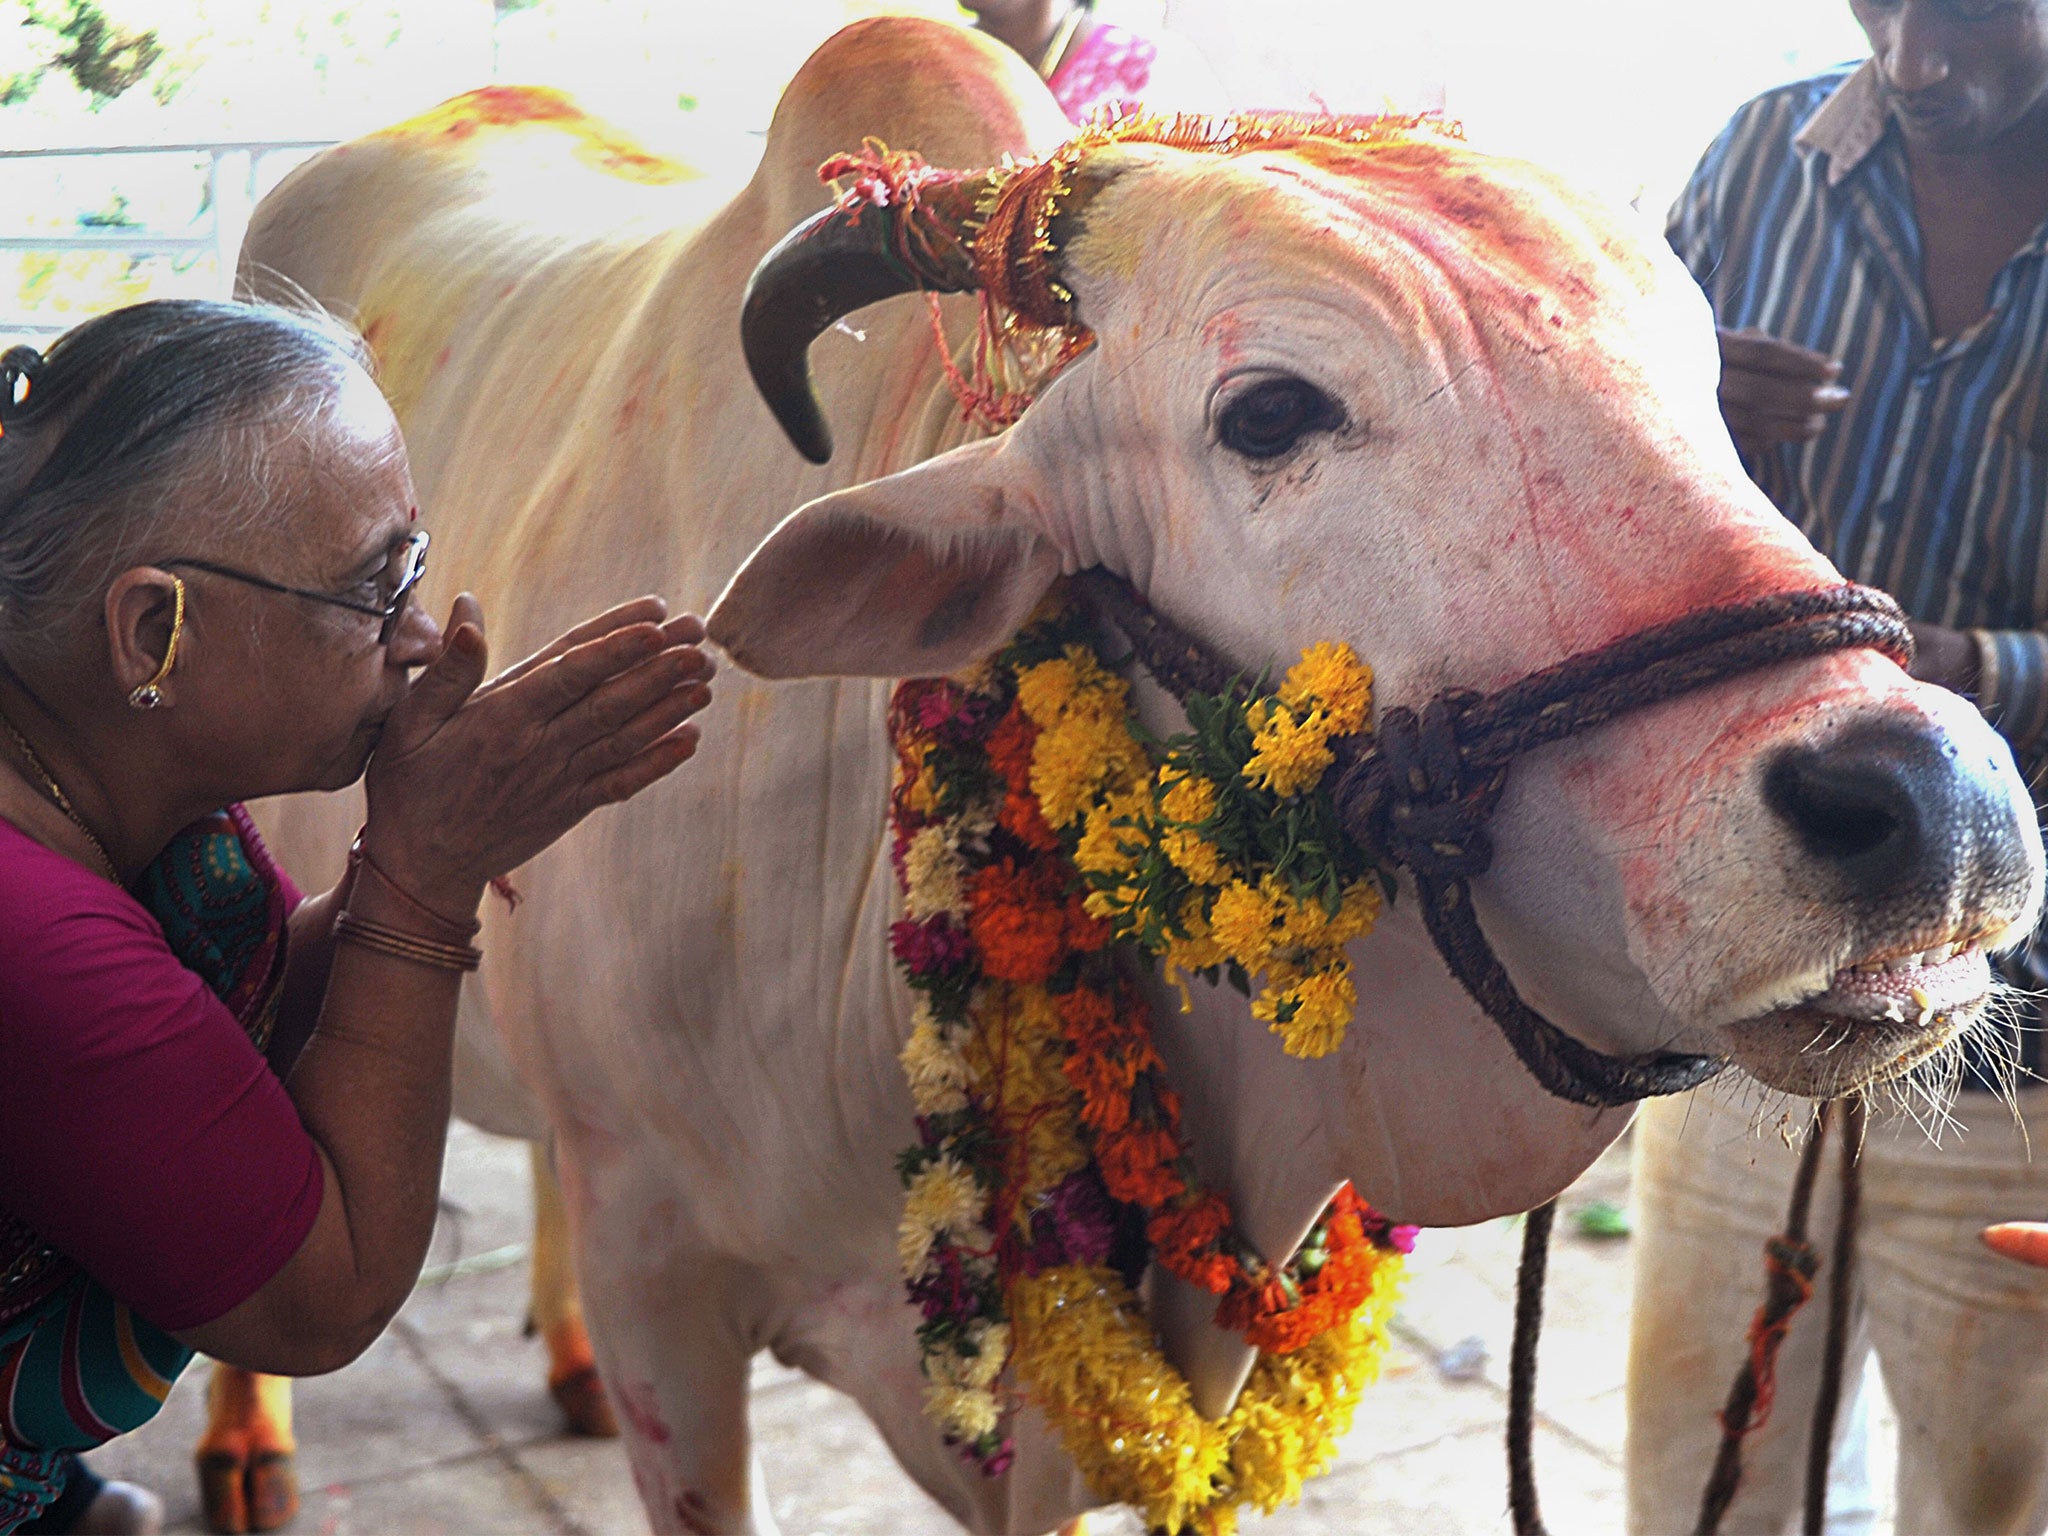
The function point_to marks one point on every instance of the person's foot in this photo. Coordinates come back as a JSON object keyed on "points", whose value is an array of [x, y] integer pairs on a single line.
{"points": [[122, 1509], [89, 1505]]}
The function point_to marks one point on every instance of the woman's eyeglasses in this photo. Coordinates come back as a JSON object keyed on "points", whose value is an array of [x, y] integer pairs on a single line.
{"points": [[408, 564]]}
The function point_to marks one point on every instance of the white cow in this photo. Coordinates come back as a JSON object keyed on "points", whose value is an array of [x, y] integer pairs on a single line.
{"points": [[1504, 449]]}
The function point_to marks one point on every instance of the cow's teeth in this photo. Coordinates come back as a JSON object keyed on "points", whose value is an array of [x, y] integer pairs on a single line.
{"points": [[1925, 1004]]}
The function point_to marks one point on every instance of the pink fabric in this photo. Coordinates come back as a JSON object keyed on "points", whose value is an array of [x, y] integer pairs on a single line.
{"points": [[141, 1134], [1111, 68]]}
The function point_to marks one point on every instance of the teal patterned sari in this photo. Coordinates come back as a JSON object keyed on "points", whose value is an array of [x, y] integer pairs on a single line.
{"points": [[77, 1367]]}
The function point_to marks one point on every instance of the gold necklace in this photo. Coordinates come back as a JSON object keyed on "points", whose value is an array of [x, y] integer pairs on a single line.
{"points": [[56, 791]]}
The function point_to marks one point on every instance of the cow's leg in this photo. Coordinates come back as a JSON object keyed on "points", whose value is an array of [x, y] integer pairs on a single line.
{"points": [[673, 1333], [1709, 1190], [557, 1309], [1962, 1334], [248, 1476]]}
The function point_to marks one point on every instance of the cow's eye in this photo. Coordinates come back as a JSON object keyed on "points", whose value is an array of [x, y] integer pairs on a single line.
{"points": [[1273, 415]]}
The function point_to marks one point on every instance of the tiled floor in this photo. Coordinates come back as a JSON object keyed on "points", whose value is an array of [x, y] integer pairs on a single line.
{"points": [[443, 1429]]}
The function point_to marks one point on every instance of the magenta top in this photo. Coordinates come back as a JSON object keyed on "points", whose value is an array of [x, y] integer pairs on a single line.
{"points": [[141, 1133], [1111, 68]]}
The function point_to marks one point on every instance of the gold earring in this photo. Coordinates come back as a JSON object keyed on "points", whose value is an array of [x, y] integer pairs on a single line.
{"points": [[151, 693]]}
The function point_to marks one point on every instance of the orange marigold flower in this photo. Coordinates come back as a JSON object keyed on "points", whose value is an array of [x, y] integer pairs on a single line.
{"points": [[1020, 818], [1019, 933], [1104, 1079], [1094, 1020], [1248, 1305], [1137, 1165], [1184, 1234], [1009, 749], [1213, 1272], [1085, 933]]}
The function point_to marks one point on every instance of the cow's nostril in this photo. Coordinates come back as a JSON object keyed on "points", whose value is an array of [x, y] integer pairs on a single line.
{"points": [[1837, 816], [1864, 804]]}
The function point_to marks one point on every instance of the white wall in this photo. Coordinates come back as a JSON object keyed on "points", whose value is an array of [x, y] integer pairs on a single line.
{"points": [[1621, 93]]}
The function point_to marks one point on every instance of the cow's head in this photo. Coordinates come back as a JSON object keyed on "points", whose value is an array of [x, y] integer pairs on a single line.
{"points": [[1378, 387]]}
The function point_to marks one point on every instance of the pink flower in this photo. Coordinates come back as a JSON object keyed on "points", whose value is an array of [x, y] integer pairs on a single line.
{"points": [[927, 948], [996, 1462], [1382, 1233], [946, 1292], [1076, 1225]]}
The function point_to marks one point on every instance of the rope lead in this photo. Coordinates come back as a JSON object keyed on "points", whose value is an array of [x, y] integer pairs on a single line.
{"points": [[1522, 1504]]}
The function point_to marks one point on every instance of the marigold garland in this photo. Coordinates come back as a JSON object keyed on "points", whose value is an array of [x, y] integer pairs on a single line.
{"points": [[1033, 830]]}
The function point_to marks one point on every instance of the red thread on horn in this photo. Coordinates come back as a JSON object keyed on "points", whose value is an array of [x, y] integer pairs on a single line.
{"points": [[1027, 323]]}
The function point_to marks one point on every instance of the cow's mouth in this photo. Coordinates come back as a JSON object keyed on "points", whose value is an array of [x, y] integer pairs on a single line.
{"points": [[1873, 1020]]}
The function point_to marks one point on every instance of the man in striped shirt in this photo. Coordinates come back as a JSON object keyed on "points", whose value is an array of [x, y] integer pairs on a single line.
{"points": [[1872, 242]]}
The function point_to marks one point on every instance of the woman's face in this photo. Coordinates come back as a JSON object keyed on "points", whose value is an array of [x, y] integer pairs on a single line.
{"points": [[276, 692]]}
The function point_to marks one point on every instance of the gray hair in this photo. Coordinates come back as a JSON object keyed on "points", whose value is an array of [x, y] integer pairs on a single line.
{"points": [[104, 436]]}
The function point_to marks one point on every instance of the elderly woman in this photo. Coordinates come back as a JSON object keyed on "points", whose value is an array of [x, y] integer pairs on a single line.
{"points": [[222, 1107]]}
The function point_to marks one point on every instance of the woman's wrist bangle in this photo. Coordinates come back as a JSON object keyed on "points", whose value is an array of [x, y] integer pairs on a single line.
{"points": [[360, 931], [359, 861]]}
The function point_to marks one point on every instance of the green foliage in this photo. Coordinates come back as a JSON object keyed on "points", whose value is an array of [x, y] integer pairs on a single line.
{"points": [[114, 216], [103, 58]]}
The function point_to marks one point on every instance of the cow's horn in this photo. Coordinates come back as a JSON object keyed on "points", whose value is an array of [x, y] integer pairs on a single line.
{"points": [[837, 262]]}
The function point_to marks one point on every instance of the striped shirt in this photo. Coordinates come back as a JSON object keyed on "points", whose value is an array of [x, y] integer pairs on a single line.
{"points": [[1933, 482]]}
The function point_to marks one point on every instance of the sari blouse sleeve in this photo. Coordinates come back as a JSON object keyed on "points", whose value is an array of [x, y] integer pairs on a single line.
{"points": [[141, 1134]]}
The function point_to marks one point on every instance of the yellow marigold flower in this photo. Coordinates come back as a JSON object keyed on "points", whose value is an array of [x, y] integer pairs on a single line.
{"points": [[1199, 950], [1045, 691], [1358, 913], [1323, 1003], [934, 1067], [1331, 676], [1186, 797], [1243, 922], [1090, 751], [1113, 906], [1087, 1356], [1195, 856], [1290, 755], [1105, 847], [932, 875], [967, 1413], [1308, 926], [944, 1197], [923, 793], [1309, 1396]]}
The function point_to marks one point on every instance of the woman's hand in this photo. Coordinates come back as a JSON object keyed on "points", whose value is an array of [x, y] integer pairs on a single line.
{"points": [[2026, 1241], [471, 779]]}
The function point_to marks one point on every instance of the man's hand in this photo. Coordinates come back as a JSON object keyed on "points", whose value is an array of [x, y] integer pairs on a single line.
{"points": [[1774, 392], [1946, 656]]}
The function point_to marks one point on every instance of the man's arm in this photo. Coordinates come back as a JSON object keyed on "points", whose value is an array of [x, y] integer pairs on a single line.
{"points": [[1774, 392]]}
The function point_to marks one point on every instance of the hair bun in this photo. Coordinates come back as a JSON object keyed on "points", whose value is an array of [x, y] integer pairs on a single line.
{"points": [[19, 369]]}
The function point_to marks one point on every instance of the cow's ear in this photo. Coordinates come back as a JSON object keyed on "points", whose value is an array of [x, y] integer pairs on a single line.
{"points": [[915, 575]]}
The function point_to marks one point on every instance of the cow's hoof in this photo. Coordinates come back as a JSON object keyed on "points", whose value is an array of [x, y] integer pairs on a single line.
{"points": [[260, 1494], [581, 1397]]}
